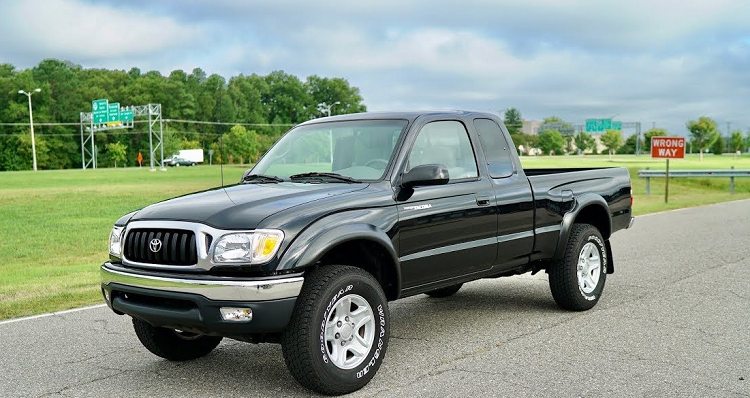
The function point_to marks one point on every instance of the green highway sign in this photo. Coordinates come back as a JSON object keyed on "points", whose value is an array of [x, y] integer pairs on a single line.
{"points": [[600, 125], [126, 116], [100, 110], [113, 113]]}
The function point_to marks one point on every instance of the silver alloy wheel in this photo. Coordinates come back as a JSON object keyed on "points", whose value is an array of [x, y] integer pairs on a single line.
{"points": [[589, 268], [349, 331]]}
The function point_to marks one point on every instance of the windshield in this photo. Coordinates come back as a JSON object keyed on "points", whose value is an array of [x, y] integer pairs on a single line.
{"points": [[360, 149]]}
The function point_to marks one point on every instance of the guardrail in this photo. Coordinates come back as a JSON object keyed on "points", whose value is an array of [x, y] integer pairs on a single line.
{"points": [[731, 174]]}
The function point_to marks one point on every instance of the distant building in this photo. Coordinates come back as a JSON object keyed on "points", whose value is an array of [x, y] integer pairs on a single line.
{"points": [[531, 127]]}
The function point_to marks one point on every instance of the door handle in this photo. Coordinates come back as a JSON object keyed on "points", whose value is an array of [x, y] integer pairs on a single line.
{"points": [[483, 201]]}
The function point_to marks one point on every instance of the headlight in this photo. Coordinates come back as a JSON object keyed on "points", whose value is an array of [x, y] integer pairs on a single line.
{"points": [[248, 247], [115, 242]]}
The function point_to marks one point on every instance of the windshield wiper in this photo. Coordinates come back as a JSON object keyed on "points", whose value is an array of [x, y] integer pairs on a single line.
{"points": [[261, 178], [322, 175]]}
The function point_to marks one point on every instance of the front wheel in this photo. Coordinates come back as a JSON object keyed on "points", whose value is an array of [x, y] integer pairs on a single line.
{"points": [[338, 334], [577, 280], [174, 345]]}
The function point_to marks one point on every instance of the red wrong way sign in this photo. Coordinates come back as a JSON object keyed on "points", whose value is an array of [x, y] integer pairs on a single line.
{"points": [[668, 147]]}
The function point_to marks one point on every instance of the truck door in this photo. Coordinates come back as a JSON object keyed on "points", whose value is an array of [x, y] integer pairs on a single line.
{"points": [[513, 199], [448, 230]]}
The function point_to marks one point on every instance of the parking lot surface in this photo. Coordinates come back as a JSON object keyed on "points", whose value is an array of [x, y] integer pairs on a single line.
{"points": [[674, 320]]}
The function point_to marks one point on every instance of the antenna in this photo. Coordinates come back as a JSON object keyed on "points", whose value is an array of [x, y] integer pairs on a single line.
{"points": [[221, 164]]}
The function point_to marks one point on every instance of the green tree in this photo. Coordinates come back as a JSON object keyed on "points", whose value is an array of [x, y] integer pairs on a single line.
{"points": [[703, 133], [117, 152], [333, 90], [513, 121], [551, 142], [612, 140], [585, 142], [652, 133], [718, 145], [737, 142], [528, 141], [241, 144], [630, 146]]}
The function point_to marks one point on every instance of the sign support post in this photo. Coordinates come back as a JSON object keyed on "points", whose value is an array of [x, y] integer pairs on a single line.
{"points": [[666, 185], [667, 148]]}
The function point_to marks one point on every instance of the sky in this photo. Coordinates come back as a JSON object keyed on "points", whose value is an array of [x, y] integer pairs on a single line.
{"points": [[658, 62]]}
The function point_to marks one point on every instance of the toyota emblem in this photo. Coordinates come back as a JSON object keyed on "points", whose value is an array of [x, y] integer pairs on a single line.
{"points": [[155, 245]]}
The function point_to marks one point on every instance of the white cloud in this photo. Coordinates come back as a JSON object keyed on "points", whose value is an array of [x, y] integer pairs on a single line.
{"points": [[75, 30], [649, 60]]}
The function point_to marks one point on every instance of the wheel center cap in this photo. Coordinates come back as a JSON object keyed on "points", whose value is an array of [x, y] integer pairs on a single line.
{"points": [[346, 331]]}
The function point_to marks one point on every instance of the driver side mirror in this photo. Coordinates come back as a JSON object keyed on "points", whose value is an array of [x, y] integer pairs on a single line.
{"points": [[424, 175]]}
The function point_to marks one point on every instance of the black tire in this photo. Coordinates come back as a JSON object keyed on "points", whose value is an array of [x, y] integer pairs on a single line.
{"points": [[309, 351], [570, 290], [173, 345], [176, 165], [445, 291], [192, 164]]}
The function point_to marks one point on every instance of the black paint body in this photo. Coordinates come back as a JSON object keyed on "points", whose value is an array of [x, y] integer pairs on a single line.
{"points": [[431, 236]]}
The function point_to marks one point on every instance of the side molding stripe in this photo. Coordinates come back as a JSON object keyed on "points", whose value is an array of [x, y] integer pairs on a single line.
{"points": [[468, 245]]}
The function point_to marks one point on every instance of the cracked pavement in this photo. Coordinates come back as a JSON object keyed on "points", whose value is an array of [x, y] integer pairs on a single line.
{"points": [[674, 321]]}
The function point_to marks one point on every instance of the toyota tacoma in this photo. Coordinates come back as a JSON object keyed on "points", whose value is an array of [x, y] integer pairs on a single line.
{"points": [[344, 214]]}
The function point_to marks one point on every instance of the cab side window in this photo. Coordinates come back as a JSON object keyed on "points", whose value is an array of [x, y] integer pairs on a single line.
{"points": [[496, 148], [446, 143]]}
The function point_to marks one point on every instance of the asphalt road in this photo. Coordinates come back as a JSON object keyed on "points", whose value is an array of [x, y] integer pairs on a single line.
{"points": [[674, 320]]}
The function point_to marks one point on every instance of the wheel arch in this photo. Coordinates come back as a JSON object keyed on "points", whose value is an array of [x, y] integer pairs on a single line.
{"points": [[589, 209], [359, 245]]}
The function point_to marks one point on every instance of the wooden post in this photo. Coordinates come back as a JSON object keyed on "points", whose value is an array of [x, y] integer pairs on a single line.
{"points": [[666, 186]]}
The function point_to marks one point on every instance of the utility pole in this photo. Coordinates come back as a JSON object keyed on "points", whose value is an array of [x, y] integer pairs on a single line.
{"points": [[729, 126], [31, 124]]}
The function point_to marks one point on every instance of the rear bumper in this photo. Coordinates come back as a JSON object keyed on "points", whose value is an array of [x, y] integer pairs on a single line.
{"points": [[632, 221], [192, 304]]}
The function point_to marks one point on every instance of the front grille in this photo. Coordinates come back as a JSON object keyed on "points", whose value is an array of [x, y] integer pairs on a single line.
{"points": [[177, 247]]}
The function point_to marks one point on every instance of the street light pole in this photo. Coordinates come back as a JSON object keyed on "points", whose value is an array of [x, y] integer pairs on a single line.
{"points": [[323, 107], [31, 124]]}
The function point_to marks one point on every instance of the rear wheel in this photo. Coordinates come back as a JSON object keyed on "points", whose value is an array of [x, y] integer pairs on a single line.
{"points": [[174, 345], [338, 334], [445, 291], [192, 164], [577, 280], [176, 165]]}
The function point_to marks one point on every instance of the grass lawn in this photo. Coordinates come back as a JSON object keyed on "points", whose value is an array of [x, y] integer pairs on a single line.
{"points": [[54, 225]]}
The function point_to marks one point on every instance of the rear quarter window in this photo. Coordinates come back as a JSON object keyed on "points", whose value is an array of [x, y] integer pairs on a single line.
{"points": [[496, 148]]}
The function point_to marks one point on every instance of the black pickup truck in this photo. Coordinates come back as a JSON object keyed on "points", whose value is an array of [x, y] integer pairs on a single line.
{"points": [[344, 214]]}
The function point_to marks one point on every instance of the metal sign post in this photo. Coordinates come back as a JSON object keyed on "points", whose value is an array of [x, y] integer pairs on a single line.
{"points": [[110, 116], [669, 148]]}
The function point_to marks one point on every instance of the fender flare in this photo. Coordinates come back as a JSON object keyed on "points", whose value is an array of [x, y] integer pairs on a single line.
{"points": [[582, 202], [305, 251]]}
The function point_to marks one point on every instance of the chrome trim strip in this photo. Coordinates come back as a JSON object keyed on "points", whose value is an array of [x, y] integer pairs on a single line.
{"points": [[446, 249], [550, 228], [261, 290], [517, 235], [199, 230], [467, 245]]}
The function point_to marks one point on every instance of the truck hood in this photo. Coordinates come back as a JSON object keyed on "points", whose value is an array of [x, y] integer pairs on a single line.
{"points": [[241, 206]]}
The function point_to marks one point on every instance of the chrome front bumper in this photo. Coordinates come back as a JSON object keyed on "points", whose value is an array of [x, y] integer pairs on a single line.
{"points": [[219, 289]]}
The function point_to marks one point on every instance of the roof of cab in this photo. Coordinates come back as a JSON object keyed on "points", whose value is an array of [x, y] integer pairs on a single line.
{"points": [[408, 115]]}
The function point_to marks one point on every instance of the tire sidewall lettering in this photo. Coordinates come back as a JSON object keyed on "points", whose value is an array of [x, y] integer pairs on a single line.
{"points": [[379, 345], [327, 312], [599, 243], [376, 351]]}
